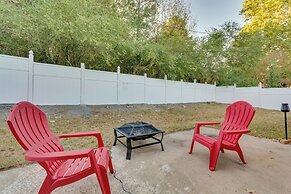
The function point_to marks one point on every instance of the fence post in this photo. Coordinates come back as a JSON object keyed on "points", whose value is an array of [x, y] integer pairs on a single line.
{"points": [[234, 93], [82, 84], [30, 87], [165, 78], [145, 90], [195, 91], [259, 95], [181, 90], [117, 83]]}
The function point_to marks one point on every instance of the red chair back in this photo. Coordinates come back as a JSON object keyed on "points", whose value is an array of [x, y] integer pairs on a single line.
{"points": [[238, 116], [29, 126]]}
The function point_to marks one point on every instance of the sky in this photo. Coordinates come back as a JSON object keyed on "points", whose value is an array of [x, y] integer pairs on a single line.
{"points": [[212, 13]]}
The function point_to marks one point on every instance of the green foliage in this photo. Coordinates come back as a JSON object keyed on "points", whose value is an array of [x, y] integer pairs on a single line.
{"points": [[102, 34], [244, 57], [226, 57], [61, 32], [140, 14], [271, 18], [212, 56], [273, 78], [175, 26], [275, 63], [140, 36]]}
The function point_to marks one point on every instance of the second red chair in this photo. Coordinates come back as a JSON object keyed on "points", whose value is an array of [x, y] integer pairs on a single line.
{"points": [[237, 119]]}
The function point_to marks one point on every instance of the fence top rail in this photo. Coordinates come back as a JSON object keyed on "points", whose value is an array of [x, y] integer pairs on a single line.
{"points": [[58, 66], [13, 57]]}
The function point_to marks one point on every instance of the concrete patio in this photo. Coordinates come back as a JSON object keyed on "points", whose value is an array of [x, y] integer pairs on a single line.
{"points": [[151, 170]]}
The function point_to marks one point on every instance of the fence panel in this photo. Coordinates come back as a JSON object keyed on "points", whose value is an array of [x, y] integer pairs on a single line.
{"points": [[210, 93], [100, 87], [205, 93], [131, 89], [55, 84], [155, 91], [188, 92], [225, 94], [13, 79], [174, 93], [249, 94], [272, 98]]}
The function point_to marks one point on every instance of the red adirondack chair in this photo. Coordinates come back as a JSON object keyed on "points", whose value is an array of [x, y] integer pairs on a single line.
{"points": [[30, 128], [237, 119]]}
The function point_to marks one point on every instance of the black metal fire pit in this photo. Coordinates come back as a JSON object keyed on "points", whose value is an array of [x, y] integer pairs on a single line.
{"points": [[137, 131]]}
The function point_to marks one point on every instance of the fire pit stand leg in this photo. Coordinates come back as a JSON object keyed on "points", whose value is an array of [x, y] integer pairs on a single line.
{"points": [[161, 142], [115, 135], [129, 148]]}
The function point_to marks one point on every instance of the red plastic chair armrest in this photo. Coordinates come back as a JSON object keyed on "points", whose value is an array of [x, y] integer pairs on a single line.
{"points": [[63, 155], [199, 124], [80, 134], [237, 131], [96, 134], [208, 123]]}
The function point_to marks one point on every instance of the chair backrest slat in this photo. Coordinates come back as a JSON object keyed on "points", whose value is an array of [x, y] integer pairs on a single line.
{"points": [[32, 124], [21, 132], [41, 124], [238, 116], [27, 125]]}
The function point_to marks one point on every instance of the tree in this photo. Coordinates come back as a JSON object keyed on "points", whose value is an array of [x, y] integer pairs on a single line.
{"points": [[140, 14], [62, 32], [228, 56], [215, 53], [273, 78], [212, 56], [172, 31], [244, 59], [175, 26], [275, 64], [271, 18]]}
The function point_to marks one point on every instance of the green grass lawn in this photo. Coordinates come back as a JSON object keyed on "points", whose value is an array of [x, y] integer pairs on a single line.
{"points": [[171, 118]]}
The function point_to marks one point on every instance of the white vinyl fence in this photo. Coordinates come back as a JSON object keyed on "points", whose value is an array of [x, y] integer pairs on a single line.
{"points": [[47, 84], [268, 98]]}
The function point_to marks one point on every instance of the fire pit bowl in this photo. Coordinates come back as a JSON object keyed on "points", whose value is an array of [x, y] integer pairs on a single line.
{"points": [[137, 131]]}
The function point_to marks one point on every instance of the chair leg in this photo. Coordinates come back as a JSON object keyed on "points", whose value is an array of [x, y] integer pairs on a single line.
{"points": [[240, 154], [99, 178], [191, 146], [222, 150], [101, 174], [103, 180], [46, 186], [214, 153], [192, 143], [111, 166]]}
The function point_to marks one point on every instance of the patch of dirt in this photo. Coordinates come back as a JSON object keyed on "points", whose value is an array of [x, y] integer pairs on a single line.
{"points": [[4, 110]]}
